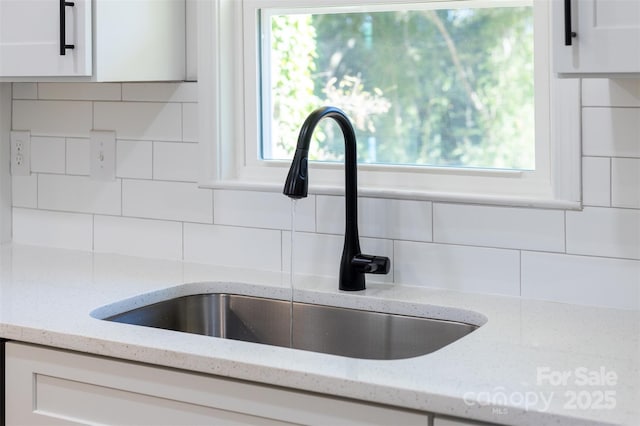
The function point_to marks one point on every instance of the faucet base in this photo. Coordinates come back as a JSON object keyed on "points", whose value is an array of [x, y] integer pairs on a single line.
{"points": [[356, 284]]}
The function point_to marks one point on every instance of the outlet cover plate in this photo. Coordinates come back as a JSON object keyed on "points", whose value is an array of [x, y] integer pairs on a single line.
{"points": [[20, 153], [103, 155]]}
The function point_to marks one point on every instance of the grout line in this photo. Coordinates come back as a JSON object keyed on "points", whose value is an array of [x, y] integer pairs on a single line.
{"points": [[610, 182], [433, 237], [565, 231], [315, 213], [37, 190], [121, 197], [93, 232], [609, 156], [213, 206], [182, 122], [282, 236], [596, 206], [611, 106], [153, 150], [65, 155], [107, 100], [128, 101], [393, 261], [520, 287]]}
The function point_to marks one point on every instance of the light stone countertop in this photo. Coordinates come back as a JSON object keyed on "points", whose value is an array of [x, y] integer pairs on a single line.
{"points": [[503, 372]]}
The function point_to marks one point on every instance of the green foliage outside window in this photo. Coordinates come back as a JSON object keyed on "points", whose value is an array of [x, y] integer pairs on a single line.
{"points": [[427, 87]]}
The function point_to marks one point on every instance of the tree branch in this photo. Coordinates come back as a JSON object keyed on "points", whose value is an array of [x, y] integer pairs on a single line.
{"points": [[453, 51]]}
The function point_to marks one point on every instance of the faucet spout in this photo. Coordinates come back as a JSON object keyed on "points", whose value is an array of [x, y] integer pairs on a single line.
{"points": [[354, 264]]}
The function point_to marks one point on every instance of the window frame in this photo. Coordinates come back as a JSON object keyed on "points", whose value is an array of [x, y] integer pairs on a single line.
{"points": [[229, 104]]}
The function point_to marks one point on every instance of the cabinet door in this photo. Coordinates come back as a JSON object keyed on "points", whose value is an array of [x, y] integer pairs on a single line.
{"points": [[607, 36], [53, 387], [142, 40], [30, 38]]}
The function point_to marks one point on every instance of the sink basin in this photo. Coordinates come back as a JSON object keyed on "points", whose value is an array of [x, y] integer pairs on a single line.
{"points": [[332, 330]]}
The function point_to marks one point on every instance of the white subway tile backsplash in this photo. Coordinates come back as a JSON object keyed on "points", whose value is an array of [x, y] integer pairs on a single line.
{"points": [[78, 152], [611, 132], [53, 229], [53, 118], [190, 122], [320, 254], [625, 182], [48, 155], [160, 92], [604, 232], [138, 237], [232, 246], [80, 91], [582, 280], [596, 181], [378, 218], [24, 191], [152, 210], [622, 92], [262, 210], [78, 194], [25, 90], [140, 120], [134, 159], [167, 200], [116, 268], [459, 268], [175, 161], [313, 254], [504, 227], [69, 267]]}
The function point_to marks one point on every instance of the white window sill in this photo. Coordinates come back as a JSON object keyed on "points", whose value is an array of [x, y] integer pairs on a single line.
{"points": [[403, 194]]}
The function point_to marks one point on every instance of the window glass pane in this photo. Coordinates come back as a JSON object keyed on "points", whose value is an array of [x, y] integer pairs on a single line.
{"points": [[449, 87]]}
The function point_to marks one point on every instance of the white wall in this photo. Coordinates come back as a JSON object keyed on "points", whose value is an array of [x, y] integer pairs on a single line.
{"points": [[155, 209]]}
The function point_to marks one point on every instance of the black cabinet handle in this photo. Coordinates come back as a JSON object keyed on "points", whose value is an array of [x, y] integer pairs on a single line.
{"points": [[63, 27], [568, 34]]}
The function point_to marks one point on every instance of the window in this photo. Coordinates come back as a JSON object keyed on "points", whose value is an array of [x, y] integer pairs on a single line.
{"points": [[451, 100], [423, 86]]}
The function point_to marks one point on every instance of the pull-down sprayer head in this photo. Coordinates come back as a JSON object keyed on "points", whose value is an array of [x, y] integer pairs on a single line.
{"points": [[297, 183]]}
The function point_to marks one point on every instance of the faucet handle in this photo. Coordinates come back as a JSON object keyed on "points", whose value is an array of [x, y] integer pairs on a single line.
{"points": [[371, 264]]}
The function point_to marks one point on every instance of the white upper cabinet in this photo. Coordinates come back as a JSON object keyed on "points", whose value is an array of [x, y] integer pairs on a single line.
{"points": [[92, 40], [600, 37], [31, 35]]}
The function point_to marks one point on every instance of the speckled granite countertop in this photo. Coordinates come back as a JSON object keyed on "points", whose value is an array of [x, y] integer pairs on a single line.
{"points": [[530, 363]]}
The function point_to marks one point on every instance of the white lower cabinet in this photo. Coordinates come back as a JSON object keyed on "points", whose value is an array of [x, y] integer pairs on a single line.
{"points": [[450, 421], [54, 387]]}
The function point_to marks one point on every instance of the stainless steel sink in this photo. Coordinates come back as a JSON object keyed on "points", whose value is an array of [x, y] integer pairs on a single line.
{"points": [[339, 331]]}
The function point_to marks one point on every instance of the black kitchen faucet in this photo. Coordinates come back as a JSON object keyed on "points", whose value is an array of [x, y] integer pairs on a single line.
{"points": [[354, 264]]}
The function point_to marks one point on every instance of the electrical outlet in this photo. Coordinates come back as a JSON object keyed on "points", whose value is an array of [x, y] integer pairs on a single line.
{"points": [[103, 155], [20, 153]]}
